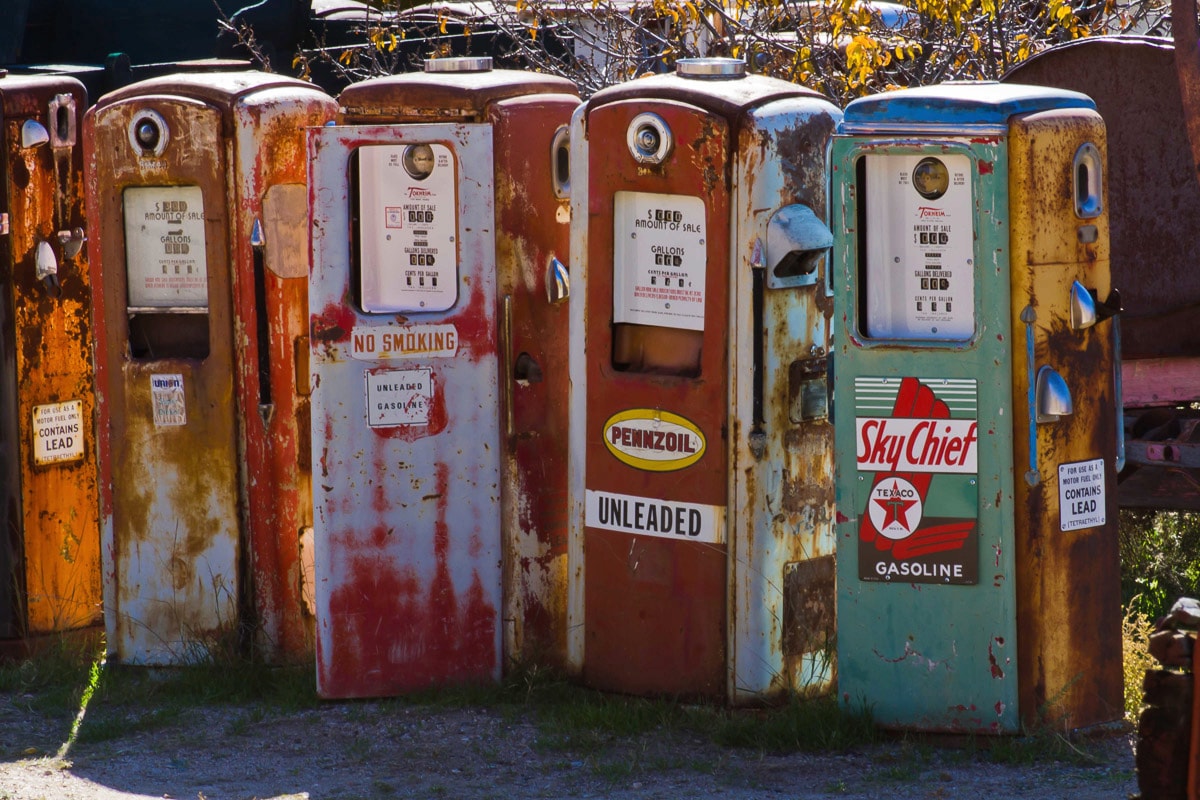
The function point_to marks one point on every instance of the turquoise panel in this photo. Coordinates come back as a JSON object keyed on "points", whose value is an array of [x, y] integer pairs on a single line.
{"points": [[926, 580]]}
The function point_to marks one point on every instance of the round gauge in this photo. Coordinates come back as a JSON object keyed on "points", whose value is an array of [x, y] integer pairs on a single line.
{"points": [[931, 178]]}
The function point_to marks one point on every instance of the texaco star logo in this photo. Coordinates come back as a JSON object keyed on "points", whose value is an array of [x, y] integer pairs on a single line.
{"points": [[895, 508]]}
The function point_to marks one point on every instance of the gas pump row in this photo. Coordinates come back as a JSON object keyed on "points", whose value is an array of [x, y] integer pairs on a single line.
{"points": [[458, 371]]}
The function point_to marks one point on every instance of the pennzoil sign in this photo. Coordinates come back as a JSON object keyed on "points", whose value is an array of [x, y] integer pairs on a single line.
{"points": [[653, 440], [917, 443]]}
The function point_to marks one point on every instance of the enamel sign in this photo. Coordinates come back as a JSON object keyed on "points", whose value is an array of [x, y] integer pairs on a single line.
{"points": [[167, 398], [1081, 501], [381, 343], [653, 440], [58, 432], [399, 397], [651, 516], [917, 455]]}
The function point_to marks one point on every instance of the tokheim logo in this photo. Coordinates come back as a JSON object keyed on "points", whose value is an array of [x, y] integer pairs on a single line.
{"points": [[930, 212], [895, 508], [417, 192], [653, 440]]}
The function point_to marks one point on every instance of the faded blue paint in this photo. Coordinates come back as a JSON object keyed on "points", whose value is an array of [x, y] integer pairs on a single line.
{"points": [[955, 106]]}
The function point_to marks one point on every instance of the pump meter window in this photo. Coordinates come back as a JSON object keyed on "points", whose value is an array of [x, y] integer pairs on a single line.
{"points": [[918, 276], [165, 253], [407, 222]]}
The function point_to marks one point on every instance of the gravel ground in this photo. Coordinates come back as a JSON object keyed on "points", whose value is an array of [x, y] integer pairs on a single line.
{"points": [[389, 750]]}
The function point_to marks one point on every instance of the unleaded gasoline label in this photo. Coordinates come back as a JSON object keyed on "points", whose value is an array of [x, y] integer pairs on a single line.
{"points": [[399, 397], [58, 432], [660, 260], [650, 516]]}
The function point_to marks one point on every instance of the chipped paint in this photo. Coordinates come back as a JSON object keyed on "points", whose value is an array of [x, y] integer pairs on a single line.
{"points": [[274, 415], [406, 521], [50, 561], [1037, 629], [748, 621], [1067, 581], [188, 505]]}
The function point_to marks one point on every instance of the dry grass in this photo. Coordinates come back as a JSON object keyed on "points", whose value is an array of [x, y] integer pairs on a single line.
{"points": [[1136, 628]]}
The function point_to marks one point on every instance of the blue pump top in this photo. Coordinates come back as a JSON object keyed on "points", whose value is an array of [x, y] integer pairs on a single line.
{"points": [[967, 106]]}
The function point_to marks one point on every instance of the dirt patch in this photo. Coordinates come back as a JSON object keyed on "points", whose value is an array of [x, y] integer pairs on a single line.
{"points": [[389, 749]]}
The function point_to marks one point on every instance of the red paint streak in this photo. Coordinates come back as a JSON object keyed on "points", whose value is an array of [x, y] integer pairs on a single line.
{"points": [[380, 491], [996, 671], [476, 324], [999, 708], [379, 535], [334, 324], [390, 634], [986, 168], [842, 518]]}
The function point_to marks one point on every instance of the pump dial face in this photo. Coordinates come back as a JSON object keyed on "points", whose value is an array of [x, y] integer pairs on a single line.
{"points": [[931, 178]]}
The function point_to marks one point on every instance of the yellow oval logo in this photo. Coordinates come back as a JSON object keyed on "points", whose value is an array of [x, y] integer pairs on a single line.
{"points": [[653, 440]]}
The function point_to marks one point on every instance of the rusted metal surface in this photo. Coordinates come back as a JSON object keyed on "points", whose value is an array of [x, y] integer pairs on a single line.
{"points": [[1029, 638], [406, 509], [916, 649], [441, 96], [532, 230], [1068, 606], [51, 573], [655, 612], [275, 417], [702, 611], [1187, 72], [781, 572], [1153, 187], [1149, 189], [531, 217], [200, 457]]}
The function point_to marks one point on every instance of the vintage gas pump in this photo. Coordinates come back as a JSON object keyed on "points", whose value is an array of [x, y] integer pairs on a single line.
{"points": [[50, 546], [976, 410], [439, 344], [701, 548], [197, 205]]}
